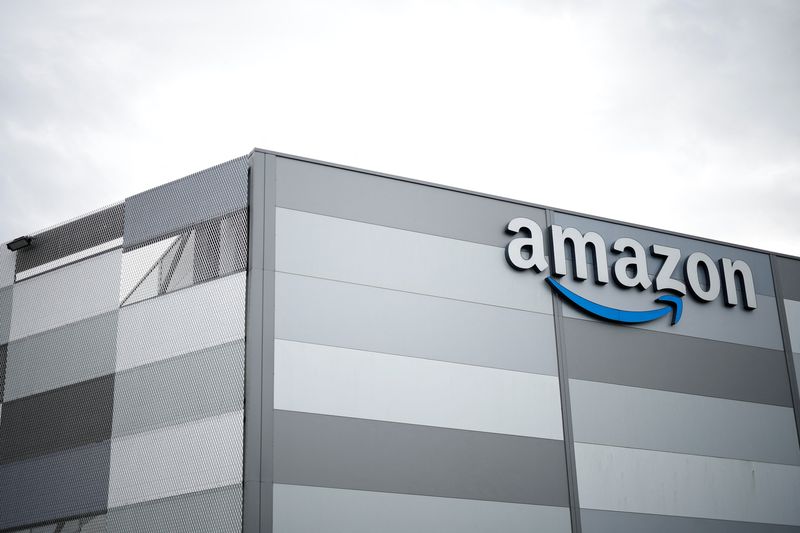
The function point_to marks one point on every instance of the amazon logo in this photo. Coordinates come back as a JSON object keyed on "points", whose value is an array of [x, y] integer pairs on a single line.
{"points": [[705, 278]]}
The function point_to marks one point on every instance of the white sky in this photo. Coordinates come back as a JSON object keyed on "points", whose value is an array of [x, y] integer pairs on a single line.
{"points": [[682, 115]]}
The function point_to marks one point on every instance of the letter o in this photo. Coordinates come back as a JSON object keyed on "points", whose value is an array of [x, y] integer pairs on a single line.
{"points": [[693, 263]]}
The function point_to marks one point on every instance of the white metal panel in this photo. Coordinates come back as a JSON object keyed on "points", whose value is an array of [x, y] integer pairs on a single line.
{"points": [[334, 248], [337, 381], [302, 509], [184, 321], [68, 294], [634, 417], [644, 481], [175, 460]]}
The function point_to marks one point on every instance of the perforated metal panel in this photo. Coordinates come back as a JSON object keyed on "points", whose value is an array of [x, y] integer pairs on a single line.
{"points": [[172, 207], [211, 511], [3, 355], [180, 389], [62, 356], [72, 237]]}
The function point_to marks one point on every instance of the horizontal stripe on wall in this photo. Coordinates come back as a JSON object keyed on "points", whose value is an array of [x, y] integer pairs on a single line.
{"points": [[67, 483], [75, 292], [380, 320], [183, 388], [336, 381], [57, 420], [216, 510], [644, 481], [711, 320], [610, 353], [59, 357], [190, 457], [674, 422], [302, 509], [337, 192], [357, 454], [188, 320], [335, 248], [593, 521]]}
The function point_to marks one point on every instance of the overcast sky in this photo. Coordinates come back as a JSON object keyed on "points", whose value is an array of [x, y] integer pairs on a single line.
{"points": [[681, 115]]}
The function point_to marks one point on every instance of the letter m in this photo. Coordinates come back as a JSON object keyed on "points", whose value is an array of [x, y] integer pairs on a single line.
{"points": [[580, 242]]}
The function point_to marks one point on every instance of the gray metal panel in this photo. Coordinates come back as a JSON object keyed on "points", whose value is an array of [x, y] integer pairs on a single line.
{"points": [[644, 481], [349, 453], [70, 354], [210, 511], [353, 195], [789, 270], [611, 353], [8, 260], [682, 423], [190, 457], [792, 308], [68, 294], [381, 320], [796, 358], [3, 356], [56, 420], [594, 521], [69, 483], [259, 348], [313, 378], [86, 232], [188, 320], [6, 297], [188, 387], [343, 250], [84, 524], [167, 209], [713, 320], [302, 509], [759, 262]]}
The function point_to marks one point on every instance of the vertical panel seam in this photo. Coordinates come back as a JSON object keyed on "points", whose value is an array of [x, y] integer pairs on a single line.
{"points": [[787, 342], [254, 348], [566, 412]]}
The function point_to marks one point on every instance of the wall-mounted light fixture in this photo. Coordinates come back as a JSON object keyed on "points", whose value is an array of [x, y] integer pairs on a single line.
{"points": [[19, 243]]}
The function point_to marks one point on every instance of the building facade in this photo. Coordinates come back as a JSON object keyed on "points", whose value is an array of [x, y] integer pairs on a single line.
{"points": [[282, 345]]}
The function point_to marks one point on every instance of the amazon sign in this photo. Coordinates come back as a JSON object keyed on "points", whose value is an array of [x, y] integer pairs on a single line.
{"points": [[705, 278]]}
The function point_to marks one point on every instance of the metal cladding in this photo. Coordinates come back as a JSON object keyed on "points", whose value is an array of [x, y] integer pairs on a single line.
{"points": [[280, 345]]}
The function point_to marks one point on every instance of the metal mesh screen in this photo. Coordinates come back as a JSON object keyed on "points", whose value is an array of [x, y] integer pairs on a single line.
{"points": [[77, 236], [205, 251]]}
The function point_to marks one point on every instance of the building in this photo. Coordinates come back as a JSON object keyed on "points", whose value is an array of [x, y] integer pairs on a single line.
{"points": [[278, 344]]}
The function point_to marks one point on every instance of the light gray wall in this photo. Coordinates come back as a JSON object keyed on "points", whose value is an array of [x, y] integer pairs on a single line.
{"points": [[644, 481], [320, 379], [301, 509]]}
